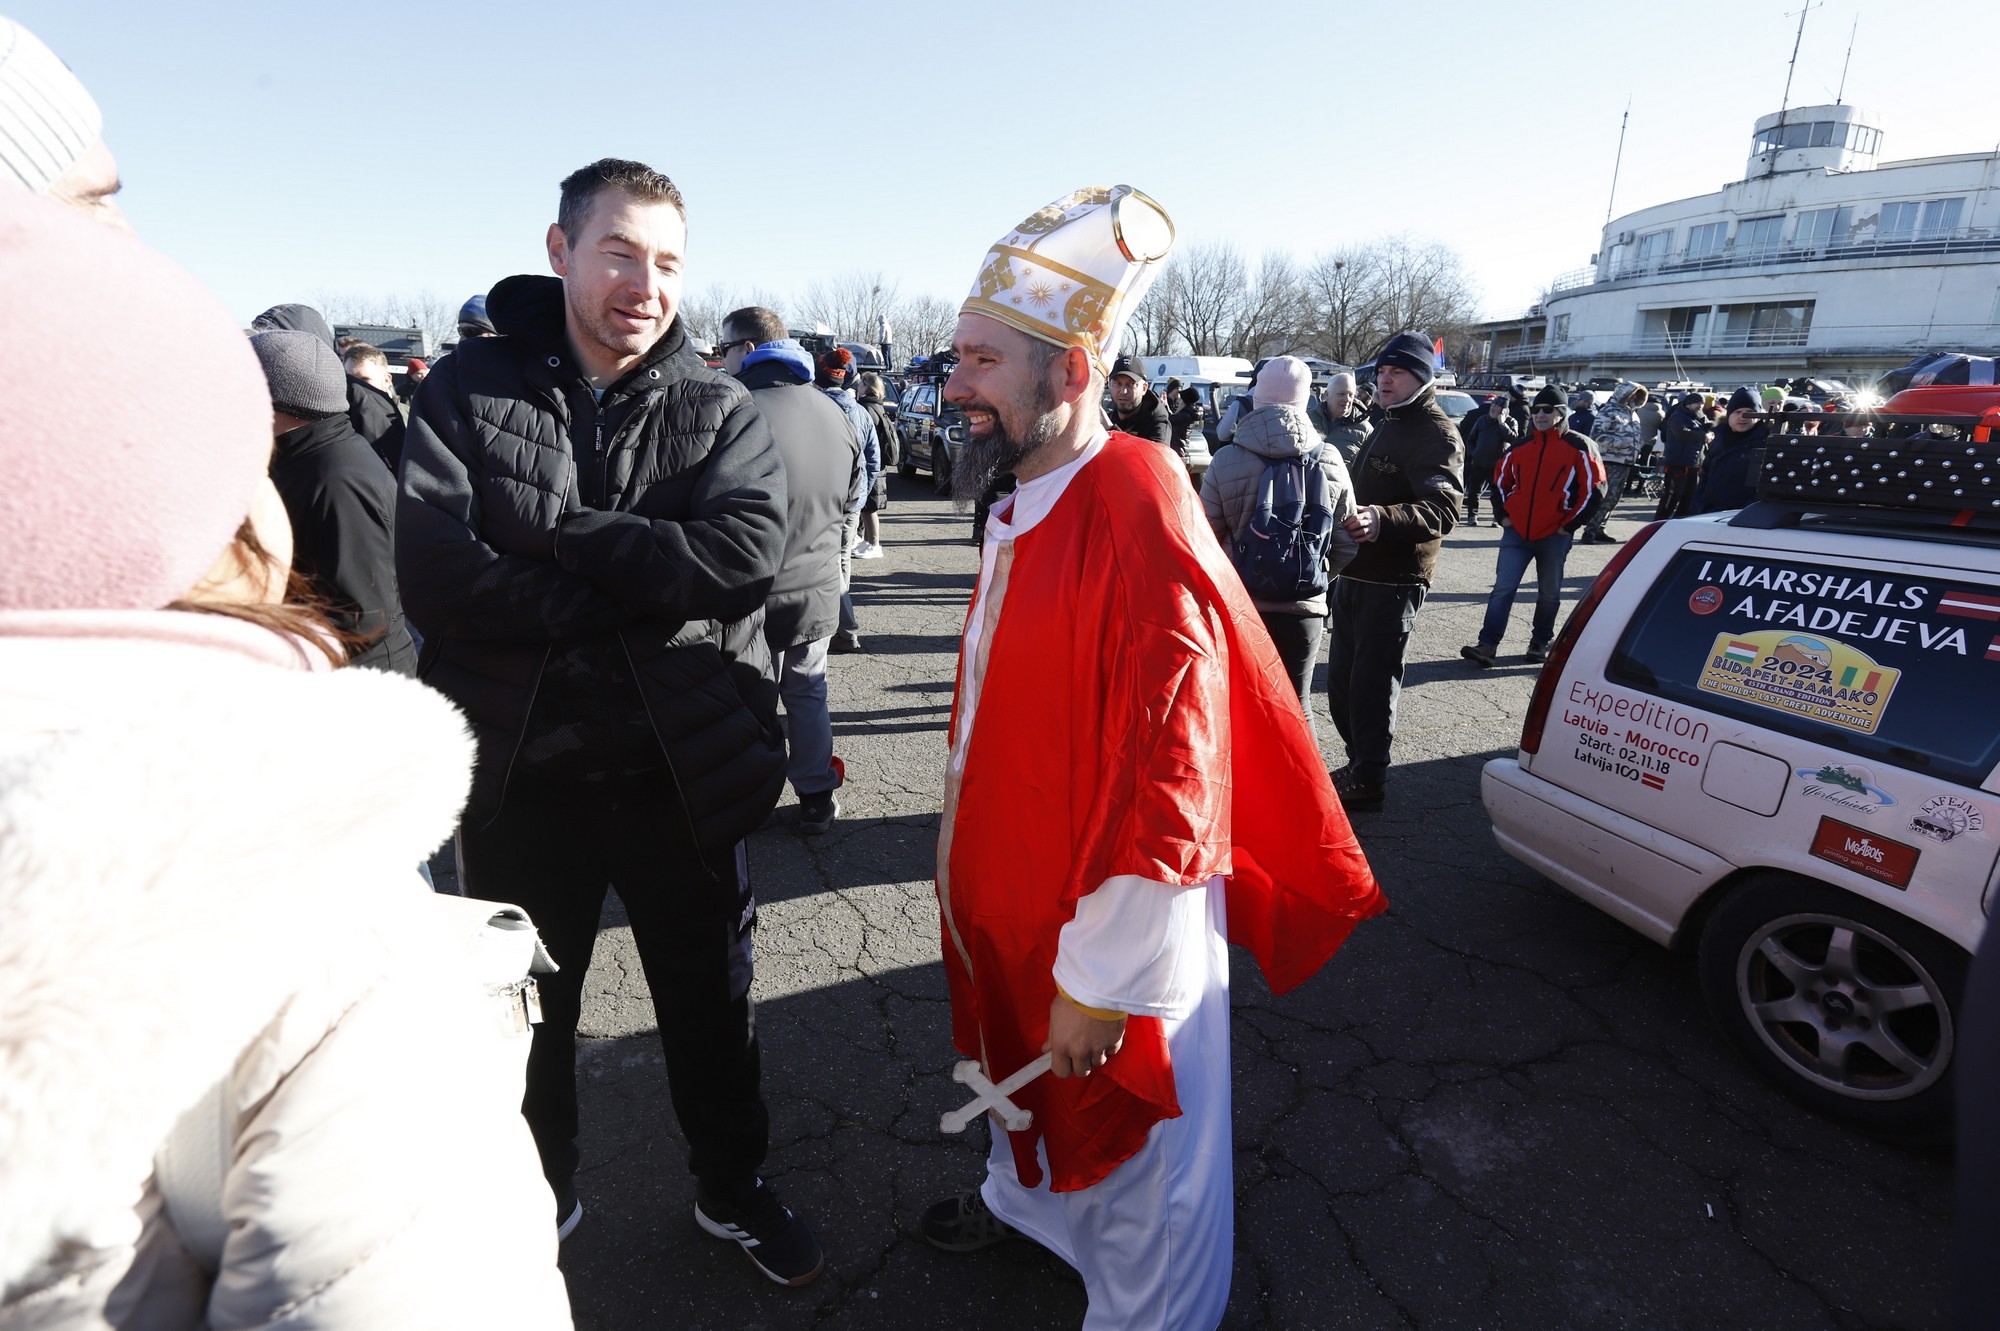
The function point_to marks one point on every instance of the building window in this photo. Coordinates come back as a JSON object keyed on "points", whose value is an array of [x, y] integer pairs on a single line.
{"points": [[1653, 248], [1680, 328], [1560, 331], [1899, 221], [1939, 218], [1776, 324], [1759, 235], [1823, 227], [1706, 240]]}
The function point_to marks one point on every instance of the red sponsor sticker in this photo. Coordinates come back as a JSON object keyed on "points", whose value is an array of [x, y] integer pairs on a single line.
{"points": [[1706, 600], [1865, 852]]}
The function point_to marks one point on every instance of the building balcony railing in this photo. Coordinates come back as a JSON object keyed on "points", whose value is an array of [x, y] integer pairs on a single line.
{"points": [[1885, 341], [1963, 240]]}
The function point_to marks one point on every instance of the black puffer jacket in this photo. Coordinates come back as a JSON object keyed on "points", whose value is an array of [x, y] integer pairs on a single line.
{"points": [[1413, 470], [534, 522], [343, 508], [376, 418]]}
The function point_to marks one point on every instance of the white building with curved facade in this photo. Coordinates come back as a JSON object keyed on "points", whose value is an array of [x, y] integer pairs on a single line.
{"points": [[1821, 261]]}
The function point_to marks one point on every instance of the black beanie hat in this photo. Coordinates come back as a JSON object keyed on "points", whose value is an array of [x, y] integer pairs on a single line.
{"points": [[1742, 398], [1412, 351], [1552, 397]]}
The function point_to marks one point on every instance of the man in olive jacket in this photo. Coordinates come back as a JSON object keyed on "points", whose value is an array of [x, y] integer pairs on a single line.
{"points": [[589, 523], [1408, 484]]}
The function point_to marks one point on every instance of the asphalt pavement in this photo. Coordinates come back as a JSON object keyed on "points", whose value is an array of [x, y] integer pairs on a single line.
{"points": [[1495, 1108]]}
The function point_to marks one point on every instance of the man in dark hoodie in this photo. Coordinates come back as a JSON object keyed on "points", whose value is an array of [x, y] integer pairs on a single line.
{"points": [[1685, 434], [1135, 408], [340, 502], [1729, 477], [588, 525], [1409, 483], [822, 466]]}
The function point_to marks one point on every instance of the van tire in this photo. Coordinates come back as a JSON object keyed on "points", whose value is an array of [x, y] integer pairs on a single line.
{"points": [[1790, 966]]}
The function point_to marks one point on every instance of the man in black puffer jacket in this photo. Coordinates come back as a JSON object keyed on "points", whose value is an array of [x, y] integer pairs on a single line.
{"points": [[589, 523], [1409, 483]]}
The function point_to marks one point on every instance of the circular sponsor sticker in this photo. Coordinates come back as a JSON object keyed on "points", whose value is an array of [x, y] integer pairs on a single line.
{"points": [[1706, 600]]}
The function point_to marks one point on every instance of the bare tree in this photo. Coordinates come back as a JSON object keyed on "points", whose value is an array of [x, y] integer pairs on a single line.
{"points": [[1362, 296], [1272, 310], [850, 306], [923, 324], [1209, 281]]}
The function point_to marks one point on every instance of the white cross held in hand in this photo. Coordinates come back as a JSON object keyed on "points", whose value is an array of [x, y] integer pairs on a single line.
{"points": [[992, 1097]]}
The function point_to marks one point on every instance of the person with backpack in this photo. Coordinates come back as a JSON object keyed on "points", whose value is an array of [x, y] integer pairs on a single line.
{"points": [[1278, 498], [1549, 484]]}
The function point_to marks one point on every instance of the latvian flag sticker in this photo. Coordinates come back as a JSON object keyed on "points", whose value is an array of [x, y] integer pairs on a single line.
{"points": [[1969, 605], [1652, 781], [1745, 652], [1993, 650]]}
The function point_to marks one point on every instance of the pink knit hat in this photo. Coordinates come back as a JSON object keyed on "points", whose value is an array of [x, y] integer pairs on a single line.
{"points": [[128, 461]]}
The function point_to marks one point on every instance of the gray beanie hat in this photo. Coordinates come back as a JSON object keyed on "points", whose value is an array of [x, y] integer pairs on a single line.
{"points": [[47, 120], [304, 375]]}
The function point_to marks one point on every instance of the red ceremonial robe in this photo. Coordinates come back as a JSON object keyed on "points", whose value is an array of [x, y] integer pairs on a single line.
{"points": [[1134, 718]]}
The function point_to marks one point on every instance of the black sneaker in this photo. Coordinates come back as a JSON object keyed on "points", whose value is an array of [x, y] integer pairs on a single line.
{"points": [[1536, 653], [1606, 538], [776, 1241], [963, 1224], [817, 812], [1356, 797], [1472, 519], [1479, 654]]}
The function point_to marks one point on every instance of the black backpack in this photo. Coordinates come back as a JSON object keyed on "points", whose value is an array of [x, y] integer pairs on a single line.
{"points": [[1281, 554]]}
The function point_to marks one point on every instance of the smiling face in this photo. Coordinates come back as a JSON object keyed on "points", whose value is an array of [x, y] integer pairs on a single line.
{"points": [[621, 279], [1016, 392]]}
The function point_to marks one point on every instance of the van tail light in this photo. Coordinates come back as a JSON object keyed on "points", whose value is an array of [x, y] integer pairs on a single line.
{"points": [[1545, 687]]}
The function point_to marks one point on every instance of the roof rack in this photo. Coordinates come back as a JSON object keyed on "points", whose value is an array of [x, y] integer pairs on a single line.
{"points": [[1920, 471]]}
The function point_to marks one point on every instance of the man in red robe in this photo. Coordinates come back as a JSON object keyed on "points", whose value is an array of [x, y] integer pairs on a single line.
{"points": [[1131, 786]]}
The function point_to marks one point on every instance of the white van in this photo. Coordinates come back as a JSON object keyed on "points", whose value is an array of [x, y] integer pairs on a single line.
{"points": [[1216, 369], [1773, 736]]}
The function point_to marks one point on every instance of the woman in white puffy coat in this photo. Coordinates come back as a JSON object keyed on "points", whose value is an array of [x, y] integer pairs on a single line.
{"points": [[208, 884]]}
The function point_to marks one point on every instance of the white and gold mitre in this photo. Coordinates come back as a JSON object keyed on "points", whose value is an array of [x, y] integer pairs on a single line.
{"points": [[1074, 271]]}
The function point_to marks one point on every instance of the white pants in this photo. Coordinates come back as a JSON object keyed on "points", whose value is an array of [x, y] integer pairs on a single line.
{"points": [[1154, 1241]]}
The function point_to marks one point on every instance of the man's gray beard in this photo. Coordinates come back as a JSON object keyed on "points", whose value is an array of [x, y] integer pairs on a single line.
{"points": [[981, 462]]}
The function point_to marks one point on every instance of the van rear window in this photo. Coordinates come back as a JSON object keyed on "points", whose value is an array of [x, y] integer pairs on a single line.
{"points": [[1900, 667]]}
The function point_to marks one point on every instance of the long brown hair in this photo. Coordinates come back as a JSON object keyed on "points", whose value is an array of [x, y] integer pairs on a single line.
{"points": [[303, 614]]}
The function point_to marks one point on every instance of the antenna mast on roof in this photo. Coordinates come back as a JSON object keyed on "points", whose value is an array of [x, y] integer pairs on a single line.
{"points": [[1837, 96], [1622, 122], [1785, 104]]}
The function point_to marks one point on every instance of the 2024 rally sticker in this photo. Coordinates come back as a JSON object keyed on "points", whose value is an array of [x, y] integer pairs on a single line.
{"points": [[1820, 678]]}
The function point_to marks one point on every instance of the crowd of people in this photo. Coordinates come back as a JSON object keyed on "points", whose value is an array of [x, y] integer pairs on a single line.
{"points": [[572, 611]]}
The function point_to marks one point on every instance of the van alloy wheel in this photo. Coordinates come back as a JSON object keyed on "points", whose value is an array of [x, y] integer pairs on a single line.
{"points": [[1846, 1004]]}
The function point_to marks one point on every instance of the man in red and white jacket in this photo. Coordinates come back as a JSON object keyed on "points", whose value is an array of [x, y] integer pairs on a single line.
{"points": [[1549, 484]]}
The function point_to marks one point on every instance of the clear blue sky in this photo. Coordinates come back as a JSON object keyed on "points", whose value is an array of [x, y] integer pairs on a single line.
{"points": [[279, 149]]}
